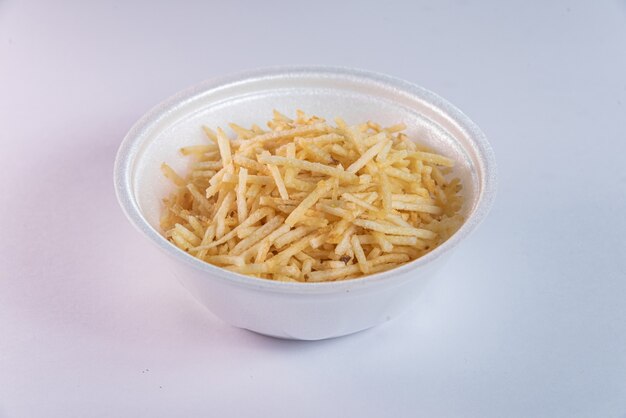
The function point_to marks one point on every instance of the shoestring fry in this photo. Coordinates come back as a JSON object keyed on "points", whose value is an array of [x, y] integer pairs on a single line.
{"points": [[307, 200]]}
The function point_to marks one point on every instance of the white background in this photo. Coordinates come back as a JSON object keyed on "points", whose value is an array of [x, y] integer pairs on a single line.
{"points": [[527, 320]]}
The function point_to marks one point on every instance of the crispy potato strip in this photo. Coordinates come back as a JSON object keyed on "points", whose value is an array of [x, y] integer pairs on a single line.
{"points": [[308, 201]]}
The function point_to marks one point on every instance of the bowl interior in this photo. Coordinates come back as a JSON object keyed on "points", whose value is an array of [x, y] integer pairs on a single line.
{"points": [[355, 95], [356, 99]]}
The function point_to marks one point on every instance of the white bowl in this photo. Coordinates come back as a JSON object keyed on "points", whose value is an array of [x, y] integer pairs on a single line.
{"points": [[305, 311]]}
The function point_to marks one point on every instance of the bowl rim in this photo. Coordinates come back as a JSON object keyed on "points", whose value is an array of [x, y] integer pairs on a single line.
{"points": [[127, 154]]}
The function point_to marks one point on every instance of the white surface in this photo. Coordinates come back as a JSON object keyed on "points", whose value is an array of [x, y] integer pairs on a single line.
{"points": [[528, 320]]}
